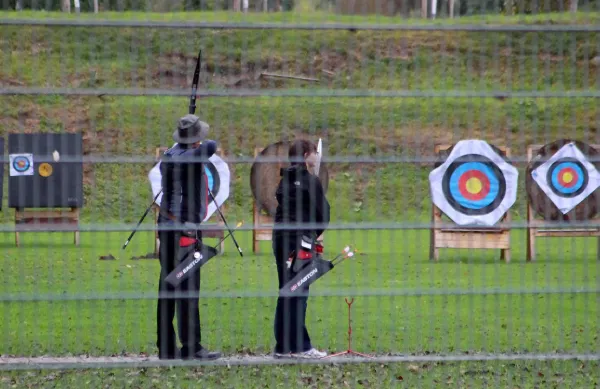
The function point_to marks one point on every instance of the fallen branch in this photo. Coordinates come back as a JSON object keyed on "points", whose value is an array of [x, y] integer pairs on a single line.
{"points": [[265, 74]]}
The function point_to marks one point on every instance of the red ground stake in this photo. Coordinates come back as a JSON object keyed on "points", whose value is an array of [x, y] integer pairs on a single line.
{"points": [[349, 351]]}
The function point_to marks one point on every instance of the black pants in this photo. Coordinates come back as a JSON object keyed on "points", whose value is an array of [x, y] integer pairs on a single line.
{"points": [[291, 335], [188, 315]]}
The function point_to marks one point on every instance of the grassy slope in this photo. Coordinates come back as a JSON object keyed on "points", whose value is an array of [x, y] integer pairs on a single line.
{"points": [[164, 58]]}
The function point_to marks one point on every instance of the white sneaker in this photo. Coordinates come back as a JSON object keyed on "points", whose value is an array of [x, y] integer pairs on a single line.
{"points": [[312, 353]]}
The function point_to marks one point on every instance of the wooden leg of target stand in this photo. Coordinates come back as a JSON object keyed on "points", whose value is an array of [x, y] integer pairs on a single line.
{"points": [[76, 232], [531, 234], [434, 252], [505, 255], [255, 222], [17, 238]]}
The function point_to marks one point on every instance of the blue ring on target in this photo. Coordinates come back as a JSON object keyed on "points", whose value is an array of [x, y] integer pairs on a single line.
{"points": [[494, 185], [483, 167], [210, 179], [26, 164], [552, 177], [212, 176], [566, 165]]}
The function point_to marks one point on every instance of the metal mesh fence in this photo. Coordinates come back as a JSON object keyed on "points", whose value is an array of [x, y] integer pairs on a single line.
{"points": [[382, 93]]}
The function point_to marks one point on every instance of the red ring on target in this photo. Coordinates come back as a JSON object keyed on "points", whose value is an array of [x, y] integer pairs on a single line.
{"points": [[563, 173], [477, 175]]}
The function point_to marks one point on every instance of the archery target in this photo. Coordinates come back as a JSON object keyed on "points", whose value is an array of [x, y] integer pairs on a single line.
{"points": [[567, 177], [475, 185], [218, 178], [21, 164]]}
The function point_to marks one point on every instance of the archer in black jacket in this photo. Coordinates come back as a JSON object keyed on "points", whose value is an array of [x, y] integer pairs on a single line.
{"points": [[185, 200], [303, 207]]}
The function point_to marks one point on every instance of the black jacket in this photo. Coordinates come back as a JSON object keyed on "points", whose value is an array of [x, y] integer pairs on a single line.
{"points": [[301, 201], [184, 181]]}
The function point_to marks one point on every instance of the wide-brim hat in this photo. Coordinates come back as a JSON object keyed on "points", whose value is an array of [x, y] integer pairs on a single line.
{"points": [[190, 129]]}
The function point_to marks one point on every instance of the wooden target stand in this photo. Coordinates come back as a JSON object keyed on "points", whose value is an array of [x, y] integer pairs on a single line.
{"points": [[468, 238], [219, 234], [533, 225], [47, 218], [262, 223]]}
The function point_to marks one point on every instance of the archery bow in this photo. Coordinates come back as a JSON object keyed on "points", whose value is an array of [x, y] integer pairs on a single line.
{"points": [[192, 110]]}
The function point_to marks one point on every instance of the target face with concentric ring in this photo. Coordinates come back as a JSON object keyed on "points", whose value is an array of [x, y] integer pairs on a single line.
{"points": [[21, 164], [567, 177], [475, 185]]}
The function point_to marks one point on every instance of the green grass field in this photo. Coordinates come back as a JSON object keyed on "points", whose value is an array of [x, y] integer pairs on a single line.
{"points": [[490, 306], [59, 300], [468, 303]]}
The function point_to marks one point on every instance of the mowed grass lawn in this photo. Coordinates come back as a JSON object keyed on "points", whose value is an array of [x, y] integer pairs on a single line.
{"points": [[60, 300], [469, 301]]}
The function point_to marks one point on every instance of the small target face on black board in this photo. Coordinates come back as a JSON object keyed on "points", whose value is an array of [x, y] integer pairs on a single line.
{"points": [[36, 179]]}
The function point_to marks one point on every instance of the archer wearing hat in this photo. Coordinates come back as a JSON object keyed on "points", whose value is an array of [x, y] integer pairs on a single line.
{"points": [[303, 211], [185, 201]]}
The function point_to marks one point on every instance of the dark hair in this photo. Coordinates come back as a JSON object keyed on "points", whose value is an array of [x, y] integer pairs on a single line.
{"points": [[298, 149]]}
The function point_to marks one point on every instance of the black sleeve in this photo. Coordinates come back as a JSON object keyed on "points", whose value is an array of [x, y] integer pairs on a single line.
{"points": [[166, 171], [206, 150], [321, 205]]}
